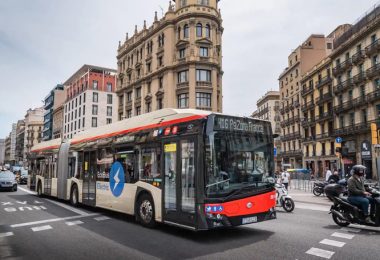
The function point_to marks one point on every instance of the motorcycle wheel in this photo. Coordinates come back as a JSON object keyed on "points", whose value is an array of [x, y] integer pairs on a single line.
{"points": [[317, 192], [288, 205], [340, 222]]}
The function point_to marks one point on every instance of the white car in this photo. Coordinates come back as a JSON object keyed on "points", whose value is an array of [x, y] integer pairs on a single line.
{"points": [[8, 181]]}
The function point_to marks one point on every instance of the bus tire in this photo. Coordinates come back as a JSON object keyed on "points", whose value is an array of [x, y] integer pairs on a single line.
{"points": [[74, 196], [145, 211], [39, 189]]}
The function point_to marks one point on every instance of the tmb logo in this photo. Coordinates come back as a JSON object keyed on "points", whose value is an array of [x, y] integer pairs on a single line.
{"points": [[117, 179]]}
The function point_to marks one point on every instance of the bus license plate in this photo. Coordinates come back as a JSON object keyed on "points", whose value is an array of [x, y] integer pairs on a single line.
{"points": [[249, 220]]}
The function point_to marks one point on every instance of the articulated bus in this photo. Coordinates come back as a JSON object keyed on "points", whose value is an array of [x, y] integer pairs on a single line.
{"points": [[189, 168]]}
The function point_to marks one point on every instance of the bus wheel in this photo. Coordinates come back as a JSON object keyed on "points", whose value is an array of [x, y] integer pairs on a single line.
{"points": [[145, 211], [74, 196], [39, 189]]}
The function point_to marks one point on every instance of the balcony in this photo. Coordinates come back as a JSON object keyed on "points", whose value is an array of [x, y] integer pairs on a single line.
{"points": [[358, 57], [290, 153], [291, 136], [344, 85], [297, 119], [373, 71], [363, 127], [306, 91], [308, 105], [341, 67], [282, 110], [372, 48], [359, 78], [325, 80], [324, 98], [324, 136], [324, 116], [296, 103], [344, 106]]}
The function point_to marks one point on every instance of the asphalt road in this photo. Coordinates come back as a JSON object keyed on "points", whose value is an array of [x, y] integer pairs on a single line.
{"points": [[40, 228]]}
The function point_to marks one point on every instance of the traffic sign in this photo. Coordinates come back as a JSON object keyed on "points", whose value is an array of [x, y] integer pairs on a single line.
{"points": [[275, 151], [338, 140]]}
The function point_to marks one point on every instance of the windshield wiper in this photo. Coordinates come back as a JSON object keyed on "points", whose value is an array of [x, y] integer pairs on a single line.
{"points": [[216, 183]]}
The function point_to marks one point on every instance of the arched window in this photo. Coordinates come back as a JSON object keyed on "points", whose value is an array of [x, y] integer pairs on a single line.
{"points": [[208, 30], [199, 30], [186, 31], [179, 33]]}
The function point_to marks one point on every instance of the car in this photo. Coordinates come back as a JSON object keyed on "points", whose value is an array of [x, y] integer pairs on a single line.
{"points": [[8, 181], [23, 177]]}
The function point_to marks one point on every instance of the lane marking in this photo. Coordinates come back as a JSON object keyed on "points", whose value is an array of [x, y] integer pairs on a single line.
{"points": [[320, 252], [6, 234], [101, 218], [353, 230], [51, 220], [315, 207], [78, 211], [332, 243], [342, 235], [72, 223], [41, 228], [27, 191]]}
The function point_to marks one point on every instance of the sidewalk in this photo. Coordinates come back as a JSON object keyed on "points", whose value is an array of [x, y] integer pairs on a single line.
{"points": [[308, 197]]}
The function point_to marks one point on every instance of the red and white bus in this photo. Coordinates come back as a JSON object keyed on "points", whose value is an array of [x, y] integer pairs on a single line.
{"points": [[189, 168]]}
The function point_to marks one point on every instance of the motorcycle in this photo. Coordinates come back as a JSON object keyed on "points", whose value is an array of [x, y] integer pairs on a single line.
{"points": [[318, 188], [344, 213], [283, 199]]}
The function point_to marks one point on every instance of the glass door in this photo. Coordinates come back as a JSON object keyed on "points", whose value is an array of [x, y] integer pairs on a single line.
{"points": [[179, 182], [89, 178]]}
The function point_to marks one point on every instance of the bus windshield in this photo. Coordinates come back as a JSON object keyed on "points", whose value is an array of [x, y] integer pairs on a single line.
{"points": [[237, 160]]}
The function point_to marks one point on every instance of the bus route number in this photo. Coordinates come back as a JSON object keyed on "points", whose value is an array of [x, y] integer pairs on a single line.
{"points": [[238, 125]]}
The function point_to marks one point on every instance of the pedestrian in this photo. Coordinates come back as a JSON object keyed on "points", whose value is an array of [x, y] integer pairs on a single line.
{"points": [[334, 178], [285, 178], [328, 174]]}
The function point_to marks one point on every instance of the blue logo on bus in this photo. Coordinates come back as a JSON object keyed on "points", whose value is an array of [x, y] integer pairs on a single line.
{"points": [[117, 179], [214, 208]]}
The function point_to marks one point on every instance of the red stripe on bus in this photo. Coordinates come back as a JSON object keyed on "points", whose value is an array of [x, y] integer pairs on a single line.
{"points": [[46, 148]]}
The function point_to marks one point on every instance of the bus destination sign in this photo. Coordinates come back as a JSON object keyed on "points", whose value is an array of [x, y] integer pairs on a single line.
{"points": [[238, 124]]}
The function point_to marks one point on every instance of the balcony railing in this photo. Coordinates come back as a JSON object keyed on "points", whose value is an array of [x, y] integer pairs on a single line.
{"points": [[324, 98], [344, 85], [358, 57], [296, 103], [324, 116], [359, 78], [373, 71], [354, 129], [308, 105], [291, 153], [307, 90], [325, 80], [324, 135], [372, 48], [341, 67], [359, 101], [291, 136]]}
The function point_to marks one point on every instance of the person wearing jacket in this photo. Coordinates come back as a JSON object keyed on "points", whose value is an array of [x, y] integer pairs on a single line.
{"points": [[357, 195]]}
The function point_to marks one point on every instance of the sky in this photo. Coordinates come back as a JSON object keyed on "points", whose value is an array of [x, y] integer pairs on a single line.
{"points": [[43, 42]]}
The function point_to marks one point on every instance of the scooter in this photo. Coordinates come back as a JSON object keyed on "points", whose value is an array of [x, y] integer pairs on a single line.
{"points": [[283, 199], [344, 213]]}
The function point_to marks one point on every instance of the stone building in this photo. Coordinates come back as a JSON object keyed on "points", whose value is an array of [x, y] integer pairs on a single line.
{"points": [[176, 62], [34, 122], [20, 137]]}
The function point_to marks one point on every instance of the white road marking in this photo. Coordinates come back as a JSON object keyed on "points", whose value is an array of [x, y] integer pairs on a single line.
{"points": [[332, 243], [51, 220], [101, 218], [6, 234], [27, 191], [368, 228], [78, 211], [300, 205], [342, 235], [41, 228], [353, 230], [72, 223], [320, 252]]}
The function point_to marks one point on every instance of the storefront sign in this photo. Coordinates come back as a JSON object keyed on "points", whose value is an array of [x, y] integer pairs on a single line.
{"points": [[366, 150]]}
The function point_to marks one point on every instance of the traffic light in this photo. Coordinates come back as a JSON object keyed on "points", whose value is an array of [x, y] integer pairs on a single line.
{"points": [[374, 133]]}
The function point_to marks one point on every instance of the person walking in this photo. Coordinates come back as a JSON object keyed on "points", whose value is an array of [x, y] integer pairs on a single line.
{"points": [[328, 174], [285, 178]]}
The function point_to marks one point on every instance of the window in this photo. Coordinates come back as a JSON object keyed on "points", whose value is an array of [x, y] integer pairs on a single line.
{"points": [[364, 116], [203, 52], [376, 83], [94, 122], [350, 95], [329, 45], [183, 100], [79, 123], [186, 31], [150, 159], [207, 31], [182, 76], [148, 87], [95, 97], [83, 122], [109, 111], [148, 107], [183, 3], [109, 87], [203, 2], [179, 33], [199, 30], [109, 121], [109, 99], [160, 61], [129, 113], [84, 109], [149, 67], [203, 75], [161, 40], [203, 99], [352, 118], [362, 91], [138, 111], [373, 38], [341, 121], [378, 111], [375, 60], [80, 100], [94, 110], [95, 84], [138, 92], [84, 97], [161, 82], [129, 96], [182, 53]]}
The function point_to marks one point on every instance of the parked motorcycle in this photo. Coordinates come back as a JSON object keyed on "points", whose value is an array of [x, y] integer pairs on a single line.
{"points": [[344, 213], [283, 199], [318, 188]]}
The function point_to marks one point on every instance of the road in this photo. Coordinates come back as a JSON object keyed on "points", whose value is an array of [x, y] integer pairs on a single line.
{"points": [[41, 228]]}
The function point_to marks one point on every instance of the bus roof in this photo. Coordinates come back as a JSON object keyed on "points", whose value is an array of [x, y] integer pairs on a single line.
{"points": [[159, 118]]}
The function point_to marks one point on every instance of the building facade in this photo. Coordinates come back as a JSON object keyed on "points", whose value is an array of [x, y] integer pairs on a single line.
{"points": [[2, 151], [301, 60], [7, 150], [56, 95], [34, 123], [356, 71], [20, 137], [176, 62], [268, 108], [90, 100]]}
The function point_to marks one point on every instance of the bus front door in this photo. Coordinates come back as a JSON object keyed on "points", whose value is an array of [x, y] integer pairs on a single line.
{"points": [[179, 182], [89, 179]]}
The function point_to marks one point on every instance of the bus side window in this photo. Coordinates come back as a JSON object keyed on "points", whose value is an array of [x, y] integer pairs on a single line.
{"points": [[104, 164], [72, 161], [79, 174], [150, 163]]}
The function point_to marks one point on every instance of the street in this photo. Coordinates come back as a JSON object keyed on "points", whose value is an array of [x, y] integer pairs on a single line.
{"points": [[42, 228]]}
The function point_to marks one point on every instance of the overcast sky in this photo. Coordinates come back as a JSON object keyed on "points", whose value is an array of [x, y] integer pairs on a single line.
{"points": [[43, 42]]}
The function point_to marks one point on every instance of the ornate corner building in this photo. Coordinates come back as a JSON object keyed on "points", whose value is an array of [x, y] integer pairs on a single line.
{"points": [[176, 62]]}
